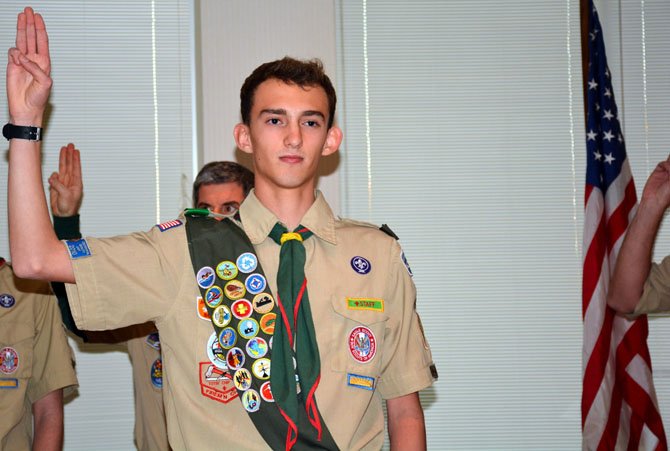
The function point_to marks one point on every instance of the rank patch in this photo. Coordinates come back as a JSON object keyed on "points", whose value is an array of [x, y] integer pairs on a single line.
{"points": [[373, 304], [8, 382], [358, 381], [361, 265], [216, 384], [362, 344], [167, 225], [9, 360], [7, 300], [78, 248], [215, 353]]}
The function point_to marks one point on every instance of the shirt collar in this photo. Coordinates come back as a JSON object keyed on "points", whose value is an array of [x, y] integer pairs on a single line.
{"points": [[257, 220]]}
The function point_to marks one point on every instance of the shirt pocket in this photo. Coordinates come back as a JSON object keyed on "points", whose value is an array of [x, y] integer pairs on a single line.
{"points": [[357, 336], [16, 350]]}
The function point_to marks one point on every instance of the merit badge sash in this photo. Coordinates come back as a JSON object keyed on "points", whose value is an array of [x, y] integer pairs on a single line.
{"points": [[243, 312]]}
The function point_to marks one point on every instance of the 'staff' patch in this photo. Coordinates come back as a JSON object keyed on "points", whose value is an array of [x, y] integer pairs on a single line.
{"points": [[78, 248], [358, 381], [373, 304]]}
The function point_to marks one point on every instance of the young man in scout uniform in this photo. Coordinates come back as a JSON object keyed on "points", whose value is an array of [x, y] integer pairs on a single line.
{"points": [[35, 365], [220, 186], [309, 362]]}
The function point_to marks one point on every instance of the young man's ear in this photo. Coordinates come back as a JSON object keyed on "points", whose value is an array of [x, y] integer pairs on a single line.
{"points": [[333, 141], [242, 137]]}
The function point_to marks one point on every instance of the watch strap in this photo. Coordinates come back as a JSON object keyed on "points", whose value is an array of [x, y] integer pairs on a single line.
{"points": [[29, 132]]}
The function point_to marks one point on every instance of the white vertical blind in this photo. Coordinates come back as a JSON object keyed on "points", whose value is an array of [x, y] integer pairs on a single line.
{"points": [[464, 132], [122, 94]]}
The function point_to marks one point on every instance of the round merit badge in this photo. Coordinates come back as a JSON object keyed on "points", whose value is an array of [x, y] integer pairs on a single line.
{"points": [[241, 309], [257, 347], [361, 265], [248, 328], [9, 360], [362, 344], [255, 283], [251, 401], [263, 303], [247, 262], [213, 296], [261, 368], [235, 358], [267, 323], [221, 316], [157, 373], [215, 353], [242, 379], [266, 392], [234, 290], [226, 270], [205, 277], [227, 338], [7, 300]]}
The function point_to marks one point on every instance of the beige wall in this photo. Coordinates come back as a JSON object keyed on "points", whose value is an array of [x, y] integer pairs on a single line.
{"points": [[233, 37]]}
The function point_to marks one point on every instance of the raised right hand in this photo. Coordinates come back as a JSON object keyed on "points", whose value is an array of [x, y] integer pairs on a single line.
{"points": [[66, 188], [28, 71], [657, 189]]}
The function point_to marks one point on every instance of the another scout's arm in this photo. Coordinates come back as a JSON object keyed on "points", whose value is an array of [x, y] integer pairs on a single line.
{"points": [[634, 260], [48, 422], [36, 252], [407, 430]]}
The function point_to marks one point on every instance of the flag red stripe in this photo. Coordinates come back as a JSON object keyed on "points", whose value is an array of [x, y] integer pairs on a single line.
{"points": [[593, 261], [618, 221], [596, 365]]}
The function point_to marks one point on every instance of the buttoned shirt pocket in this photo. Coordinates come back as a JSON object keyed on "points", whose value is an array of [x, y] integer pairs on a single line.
{"points": [[16, 350], [358, 328]]}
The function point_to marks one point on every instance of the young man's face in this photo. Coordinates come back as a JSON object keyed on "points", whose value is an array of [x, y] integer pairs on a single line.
{"points": [[287, 134], [222, 198]]}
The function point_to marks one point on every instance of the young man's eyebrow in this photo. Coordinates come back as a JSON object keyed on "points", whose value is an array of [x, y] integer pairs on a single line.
{"points": [[282, 111]]}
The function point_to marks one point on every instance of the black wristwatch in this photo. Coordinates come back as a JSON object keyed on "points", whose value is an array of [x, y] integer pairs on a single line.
{"points": [[11, 131]]}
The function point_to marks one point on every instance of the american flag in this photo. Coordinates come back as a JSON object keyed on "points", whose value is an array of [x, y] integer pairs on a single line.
{"points": [[619, 407]]}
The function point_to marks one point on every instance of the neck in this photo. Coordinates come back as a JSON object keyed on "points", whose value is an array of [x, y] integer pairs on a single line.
{"points": [[288, 205]]}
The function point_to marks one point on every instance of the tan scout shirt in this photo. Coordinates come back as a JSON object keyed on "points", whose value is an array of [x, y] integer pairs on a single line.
{"points": [[656, 295], [201, 405], [35, 358]]}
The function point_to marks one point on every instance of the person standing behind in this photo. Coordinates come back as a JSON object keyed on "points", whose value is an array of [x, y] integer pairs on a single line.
{"points": [[36, 365], [220, 187]]}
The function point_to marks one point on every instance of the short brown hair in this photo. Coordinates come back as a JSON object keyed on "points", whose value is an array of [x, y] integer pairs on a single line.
{"points": [[303, 73], [217, 172]]}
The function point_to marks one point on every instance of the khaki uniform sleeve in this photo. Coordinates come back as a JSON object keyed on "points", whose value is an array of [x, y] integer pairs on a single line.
{"points": [[53, 360], [656, 294], [407, 358], [129, 279]]}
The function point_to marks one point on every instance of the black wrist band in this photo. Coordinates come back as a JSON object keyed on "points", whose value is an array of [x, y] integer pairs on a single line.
{"points": [[11, 131]]}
